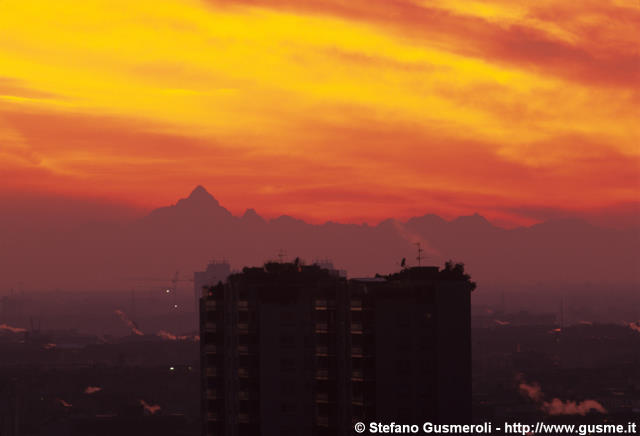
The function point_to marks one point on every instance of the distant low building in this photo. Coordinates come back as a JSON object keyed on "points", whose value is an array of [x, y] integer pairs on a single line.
{"points": [[289, 349], [216, 271], [517, 319]]}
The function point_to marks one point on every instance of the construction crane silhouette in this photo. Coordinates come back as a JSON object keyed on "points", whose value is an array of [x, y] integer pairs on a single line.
{"points": [[173, 290]]}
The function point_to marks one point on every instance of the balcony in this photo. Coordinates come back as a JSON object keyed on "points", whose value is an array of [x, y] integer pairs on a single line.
{"points": [[212, 394], [322, 304], [323, 374], [322, 397], [357, 352], [357, 375], [322, 327], [211, 372], [325, 398], [324, 350], [357, 400], [322, 421]]}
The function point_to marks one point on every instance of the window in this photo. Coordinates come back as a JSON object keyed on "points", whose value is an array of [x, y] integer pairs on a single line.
{"points": [[287, 318], [287, 364], [287, 341], [403, 367]]}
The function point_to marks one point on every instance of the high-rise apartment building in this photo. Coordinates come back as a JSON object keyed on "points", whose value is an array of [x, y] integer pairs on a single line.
{"points": [[289, 349]]}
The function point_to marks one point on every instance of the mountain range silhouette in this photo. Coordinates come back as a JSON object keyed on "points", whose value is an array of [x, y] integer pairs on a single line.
{"points": [[185, 236]]}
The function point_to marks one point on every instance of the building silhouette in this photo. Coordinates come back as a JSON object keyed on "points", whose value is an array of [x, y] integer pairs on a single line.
{"points": [[216, 271], [290, 349]]}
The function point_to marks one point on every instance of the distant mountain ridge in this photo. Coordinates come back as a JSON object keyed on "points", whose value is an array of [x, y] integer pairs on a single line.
{"points": [[186, 235], [199, 203]]}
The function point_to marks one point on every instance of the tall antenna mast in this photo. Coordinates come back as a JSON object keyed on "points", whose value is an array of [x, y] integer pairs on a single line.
{"points": [[420, 251]]}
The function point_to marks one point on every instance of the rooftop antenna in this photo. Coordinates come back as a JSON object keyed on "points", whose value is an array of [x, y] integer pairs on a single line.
{"points": [[420, 251], [281, 255]]}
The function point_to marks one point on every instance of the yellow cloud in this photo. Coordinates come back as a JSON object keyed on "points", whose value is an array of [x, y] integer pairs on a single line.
{"points": [[255, 78]]}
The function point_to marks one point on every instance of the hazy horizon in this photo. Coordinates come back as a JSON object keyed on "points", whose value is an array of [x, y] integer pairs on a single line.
{"points": [[60, 208], [95, 253]]}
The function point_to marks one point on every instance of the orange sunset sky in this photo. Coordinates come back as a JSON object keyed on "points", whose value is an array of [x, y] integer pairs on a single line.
{"points": [[349, 110]]}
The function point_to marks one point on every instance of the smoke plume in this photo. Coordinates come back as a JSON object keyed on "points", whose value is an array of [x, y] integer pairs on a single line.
{"points": [[12, 329], [414, 238], [152, 409], [132, 325], [557, 406], [533, 391], [92, 390], [171, 337], [64, 403]]}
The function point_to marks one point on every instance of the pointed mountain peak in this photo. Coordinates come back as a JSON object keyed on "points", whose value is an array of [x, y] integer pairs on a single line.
{"points": [[198, 203], [199, 192]]}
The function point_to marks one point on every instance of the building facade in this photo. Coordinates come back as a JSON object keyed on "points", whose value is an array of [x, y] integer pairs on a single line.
{"points": [[289, 349]]}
